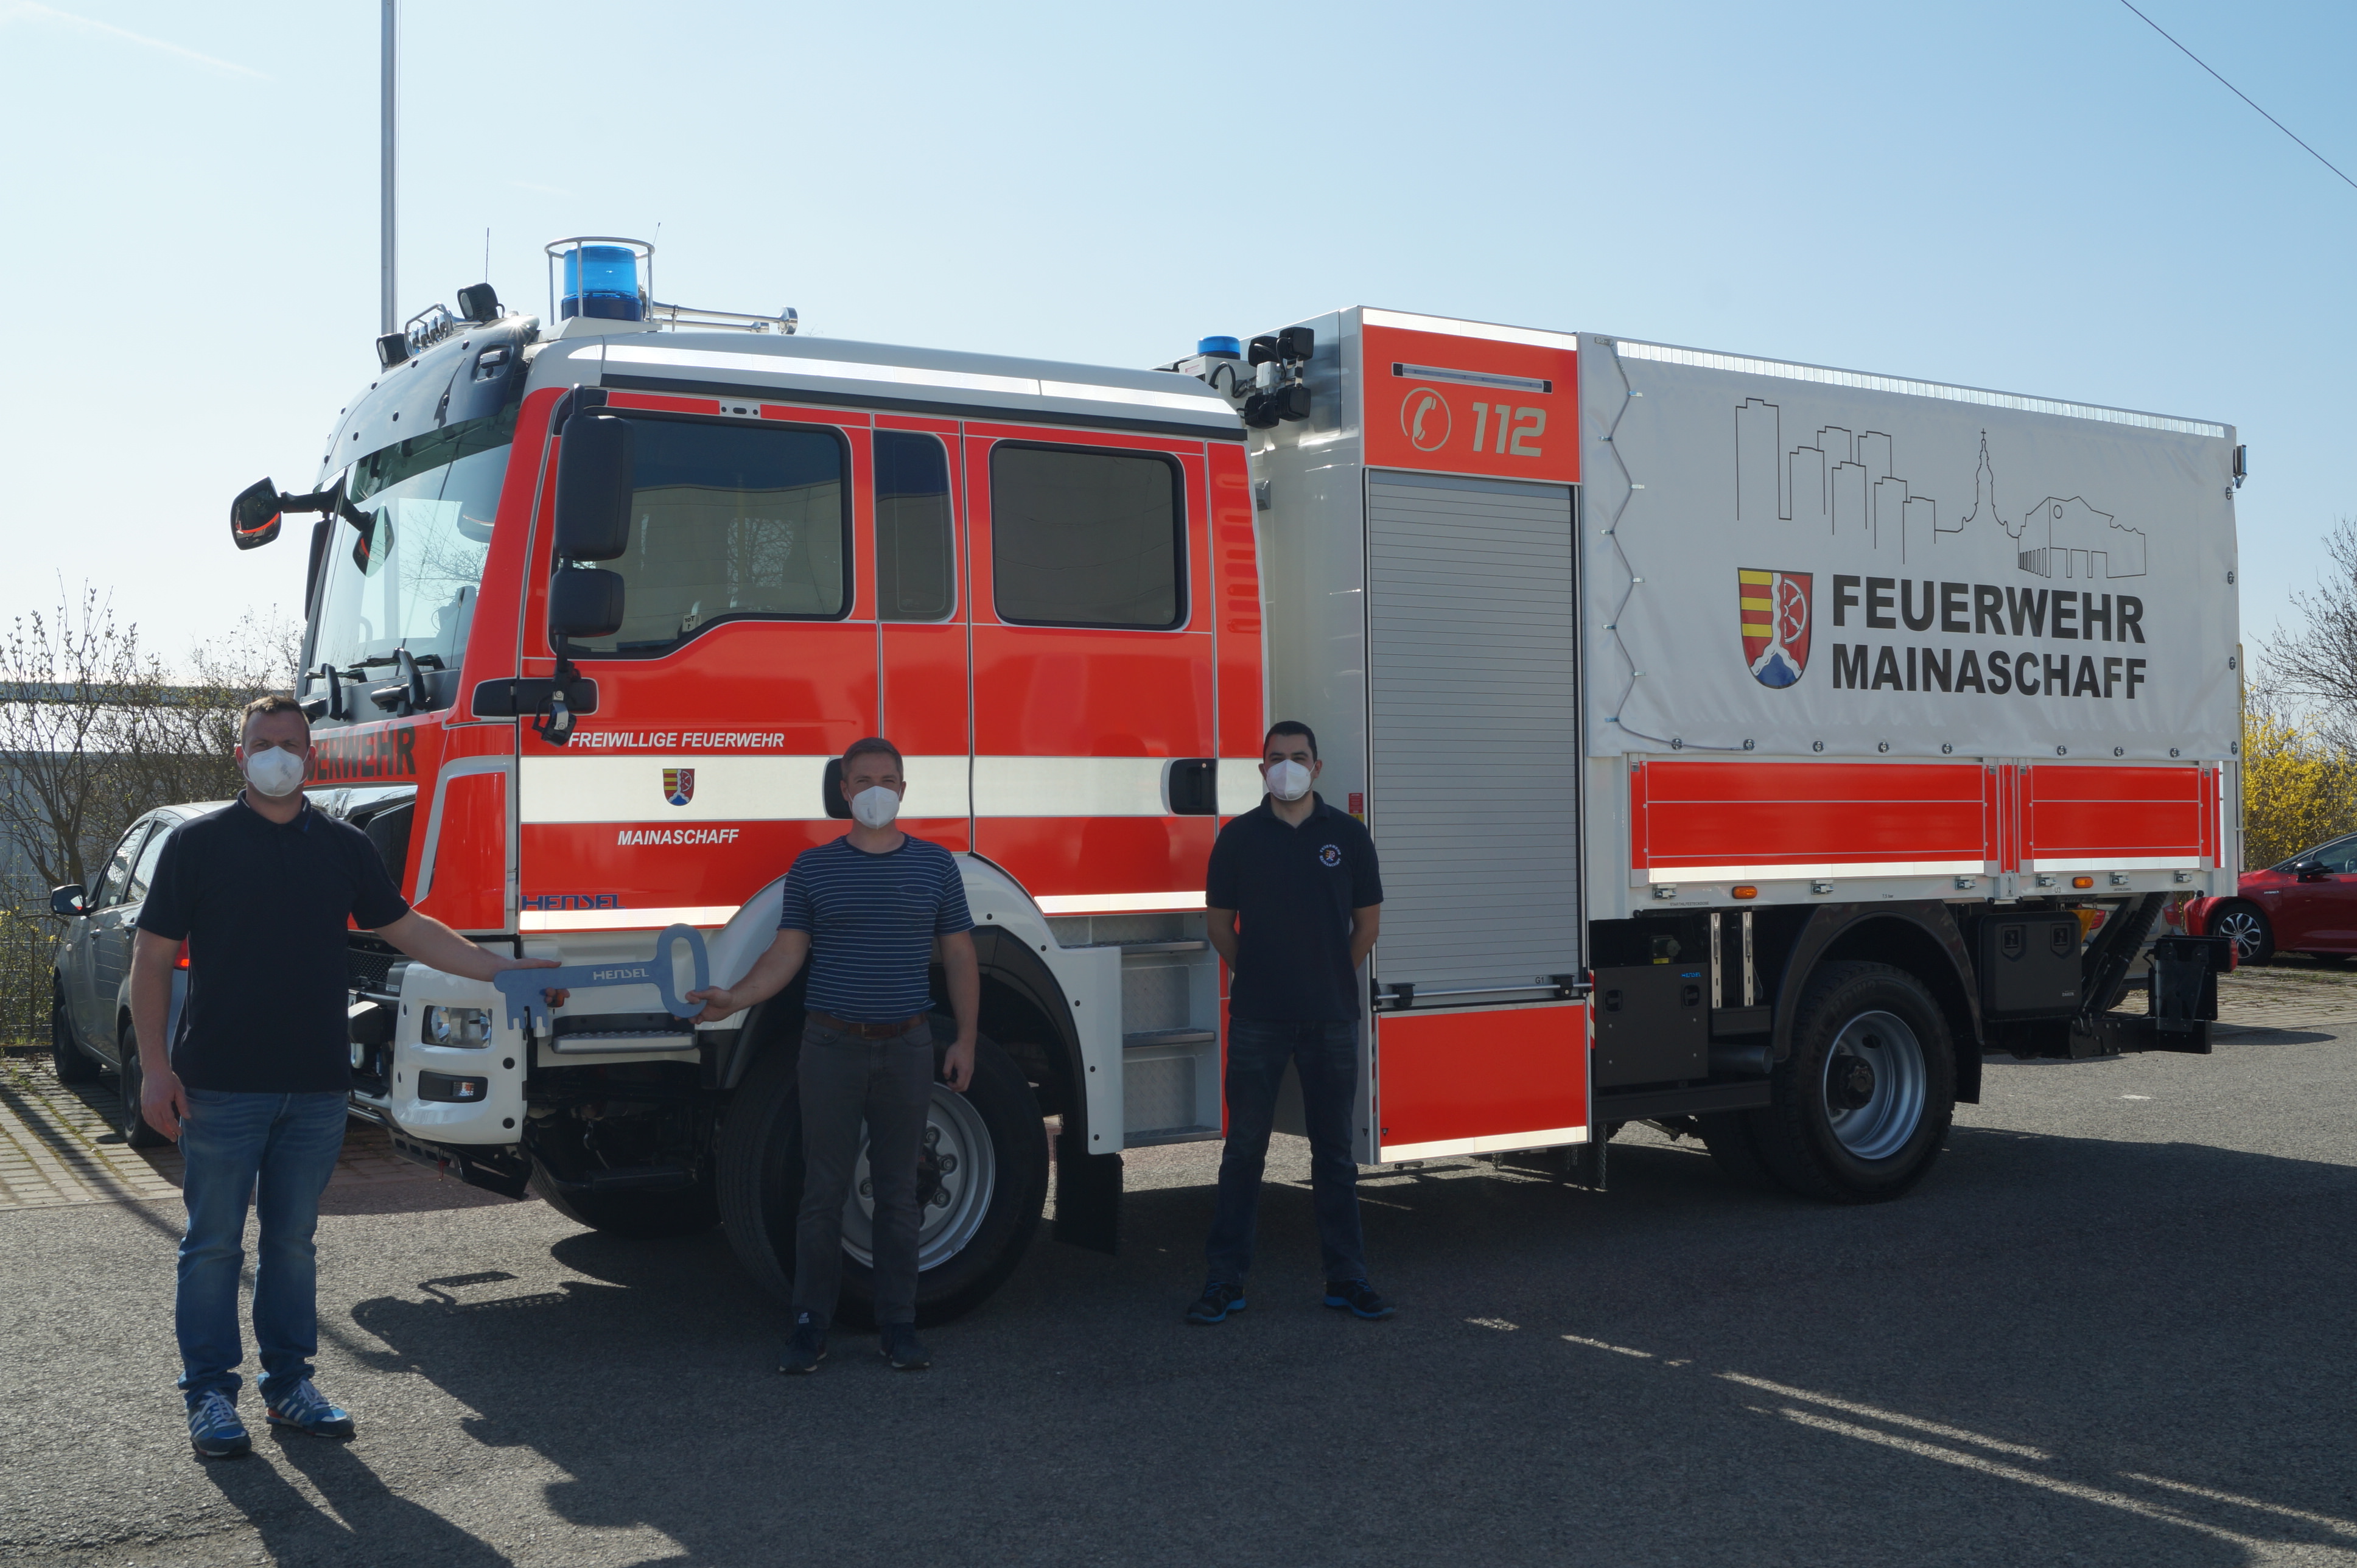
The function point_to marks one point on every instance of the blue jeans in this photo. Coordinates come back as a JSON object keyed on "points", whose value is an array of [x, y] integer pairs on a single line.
{"points": [[279, 1150], [1327, 1056]]}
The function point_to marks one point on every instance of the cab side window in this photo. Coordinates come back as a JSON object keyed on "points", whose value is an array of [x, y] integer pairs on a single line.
{"points": [[729, 523], [2340, 857], [915, 559], [1086, 537]]}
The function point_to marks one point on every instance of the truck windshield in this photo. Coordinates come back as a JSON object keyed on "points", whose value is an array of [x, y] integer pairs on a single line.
{"points": [[403, 565]]}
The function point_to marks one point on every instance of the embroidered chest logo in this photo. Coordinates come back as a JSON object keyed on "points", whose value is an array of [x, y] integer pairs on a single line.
{"points": [[1330, 856], [679, 785]]}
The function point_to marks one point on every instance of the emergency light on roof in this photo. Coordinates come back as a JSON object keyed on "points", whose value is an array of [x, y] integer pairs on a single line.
{"points": [[605, 277]]}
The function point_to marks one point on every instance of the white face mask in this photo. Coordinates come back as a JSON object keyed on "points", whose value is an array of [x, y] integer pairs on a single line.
{"points": [[276, 772], [1288, 780], [875, 807]]}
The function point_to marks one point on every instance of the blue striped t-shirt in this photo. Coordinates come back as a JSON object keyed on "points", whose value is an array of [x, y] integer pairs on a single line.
{"points": [[872, 920]]}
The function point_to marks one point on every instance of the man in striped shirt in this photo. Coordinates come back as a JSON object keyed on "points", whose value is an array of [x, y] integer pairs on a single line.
{"points": [[865, 911]]}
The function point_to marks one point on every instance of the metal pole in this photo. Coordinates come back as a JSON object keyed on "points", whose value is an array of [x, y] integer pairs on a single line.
{"points": [[389, 311]]}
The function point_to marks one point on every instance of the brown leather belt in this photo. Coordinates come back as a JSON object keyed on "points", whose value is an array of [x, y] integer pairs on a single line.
{"points": [[891, 1031]]}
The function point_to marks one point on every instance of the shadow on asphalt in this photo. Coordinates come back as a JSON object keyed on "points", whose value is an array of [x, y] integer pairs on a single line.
{"points": [[2059, 1350], [362, 1517]]}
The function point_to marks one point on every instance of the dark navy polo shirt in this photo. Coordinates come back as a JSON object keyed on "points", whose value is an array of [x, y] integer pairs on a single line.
{"points": [[1293, 890], [263, 907]]}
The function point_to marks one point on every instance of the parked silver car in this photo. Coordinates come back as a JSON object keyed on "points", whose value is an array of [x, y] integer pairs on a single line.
{"points": [[90, 1009]]}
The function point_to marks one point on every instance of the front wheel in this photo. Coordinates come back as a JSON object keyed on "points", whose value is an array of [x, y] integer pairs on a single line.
{"points": [[2247, 929], [74, 1064], [982, 1182], [1863, 1104]]}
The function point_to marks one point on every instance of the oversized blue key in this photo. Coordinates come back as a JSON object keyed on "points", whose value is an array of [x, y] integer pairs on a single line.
{"points": [[528, 1008]]}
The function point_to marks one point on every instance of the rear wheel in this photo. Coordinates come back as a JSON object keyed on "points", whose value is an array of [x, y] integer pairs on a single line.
{"points": [[135, 1127], [1863, 1104], [74, 1064], [982, 1182], [2245, 925]]}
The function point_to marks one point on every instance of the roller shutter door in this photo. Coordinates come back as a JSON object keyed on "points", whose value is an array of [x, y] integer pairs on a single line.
{"points": [[1472, 682]]}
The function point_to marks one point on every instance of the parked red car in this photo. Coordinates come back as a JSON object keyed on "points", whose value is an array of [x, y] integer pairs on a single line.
{"points": [[2306, 904]]}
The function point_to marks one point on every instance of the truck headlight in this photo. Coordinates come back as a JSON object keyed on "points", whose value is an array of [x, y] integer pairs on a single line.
{"points": [[468, 1027]]}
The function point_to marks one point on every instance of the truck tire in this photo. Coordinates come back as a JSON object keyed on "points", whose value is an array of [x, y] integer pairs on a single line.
{"points": [[979, 1212], [135, 1129], [641, 1216], [74, 1064], [2245, 926], [1863, 1104]]}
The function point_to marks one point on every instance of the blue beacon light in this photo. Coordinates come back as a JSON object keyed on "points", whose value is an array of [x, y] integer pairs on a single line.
{"points": [[1226, 348], [601, 281]]}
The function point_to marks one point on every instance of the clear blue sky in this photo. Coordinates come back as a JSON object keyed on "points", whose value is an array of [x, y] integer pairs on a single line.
{"points": [[2037, 197]]}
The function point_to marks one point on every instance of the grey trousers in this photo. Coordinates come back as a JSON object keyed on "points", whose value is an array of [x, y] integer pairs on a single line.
{"points": [[885, 1084]]}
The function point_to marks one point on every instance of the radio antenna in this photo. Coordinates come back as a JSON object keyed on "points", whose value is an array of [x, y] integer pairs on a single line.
{"points": [[389, 310]]}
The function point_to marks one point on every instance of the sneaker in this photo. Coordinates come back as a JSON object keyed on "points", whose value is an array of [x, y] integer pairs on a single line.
{"points": [[1356, 1297], [805, 1348], [214, 1429], [1218, 1300], [900, 1347], [303, 1409]]}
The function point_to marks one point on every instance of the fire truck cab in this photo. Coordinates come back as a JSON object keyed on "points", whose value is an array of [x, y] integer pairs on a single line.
{"points": [[595, 601]]}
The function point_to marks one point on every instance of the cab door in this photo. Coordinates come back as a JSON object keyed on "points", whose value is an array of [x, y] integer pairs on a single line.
{"points": [[746, 659], [1094, 660]]}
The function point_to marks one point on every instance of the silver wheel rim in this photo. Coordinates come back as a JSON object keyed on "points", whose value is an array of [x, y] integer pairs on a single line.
{"points": [[2241, 928], [958, 1173], [1874, 1115]]}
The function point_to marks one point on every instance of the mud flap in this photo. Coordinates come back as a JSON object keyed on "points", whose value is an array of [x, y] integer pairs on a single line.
{"points": [[1087, 1196]]}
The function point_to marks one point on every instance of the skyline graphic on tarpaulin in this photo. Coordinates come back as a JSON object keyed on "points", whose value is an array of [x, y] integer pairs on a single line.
{"points": [[1846, 481]]}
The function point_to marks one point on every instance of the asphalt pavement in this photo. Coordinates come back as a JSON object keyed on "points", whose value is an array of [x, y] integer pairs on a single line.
{"points": [[2116, 1325]]}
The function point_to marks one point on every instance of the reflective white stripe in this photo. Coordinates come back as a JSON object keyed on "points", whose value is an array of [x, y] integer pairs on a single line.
{"points": [[1095, 393], [1676, 873], [625, 920], [1545, 1138], [1116, 903], [1240, 786], [1068, 786], [1207, 403], [605, 787], [2117, 862], [1482, 329]]}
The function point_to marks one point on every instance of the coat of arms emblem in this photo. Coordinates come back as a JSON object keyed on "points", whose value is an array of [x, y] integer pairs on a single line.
{"points": [[679, 785], [1774, 613]]}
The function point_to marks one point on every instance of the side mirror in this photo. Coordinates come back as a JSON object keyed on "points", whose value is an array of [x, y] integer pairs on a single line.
{"points": [[68, 901], [2309, 870], [253, 516], [585, 602], [593, 488]]}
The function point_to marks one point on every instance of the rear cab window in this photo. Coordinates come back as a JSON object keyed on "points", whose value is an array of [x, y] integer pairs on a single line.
{"points": [[1087, 537]]}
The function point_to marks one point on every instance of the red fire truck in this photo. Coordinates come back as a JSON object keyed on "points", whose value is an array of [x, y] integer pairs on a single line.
{"points": [[1750, 745]]}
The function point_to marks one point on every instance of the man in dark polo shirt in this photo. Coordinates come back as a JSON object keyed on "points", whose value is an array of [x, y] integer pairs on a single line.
{"points": [[254, 1086], [865, 910], [1294, 899]]}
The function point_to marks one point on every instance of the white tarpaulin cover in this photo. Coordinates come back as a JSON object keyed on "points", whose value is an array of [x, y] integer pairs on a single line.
{"points": [[1814, 560]]}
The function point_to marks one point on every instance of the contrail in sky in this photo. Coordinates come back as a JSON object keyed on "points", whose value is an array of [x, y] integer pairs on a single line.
{"points": [[29, 8]]}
